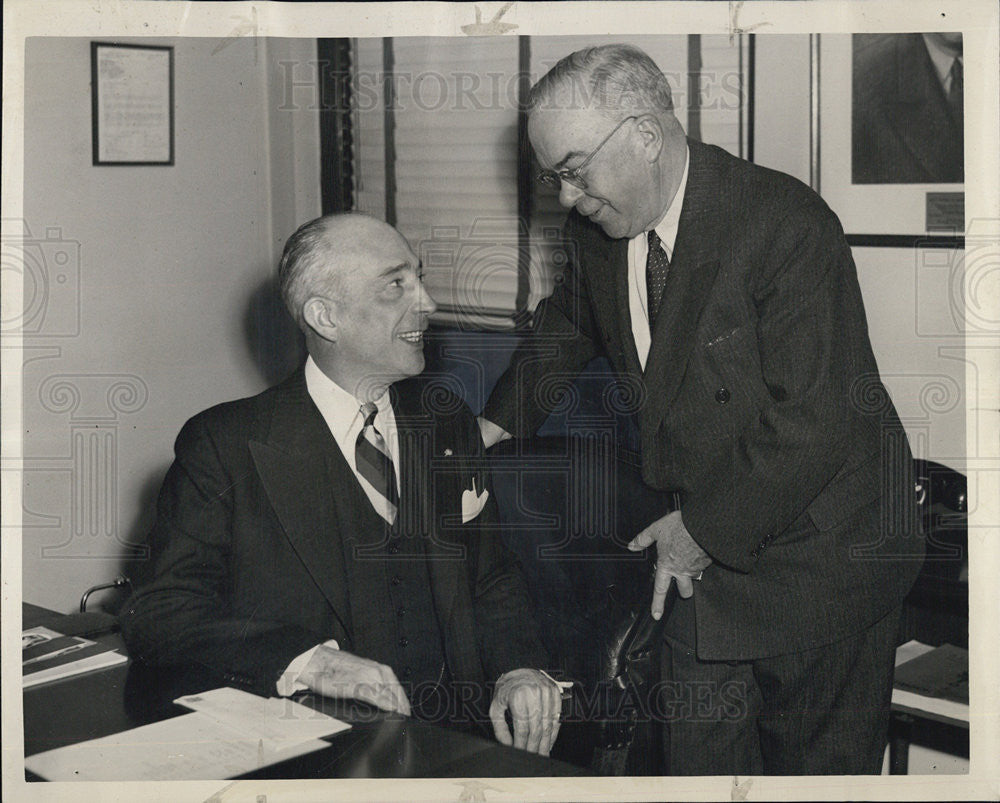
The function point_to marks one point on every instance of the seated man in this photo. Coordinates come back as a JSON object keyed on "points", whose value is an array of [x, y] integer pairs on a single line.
{"points": [[335, 533]]}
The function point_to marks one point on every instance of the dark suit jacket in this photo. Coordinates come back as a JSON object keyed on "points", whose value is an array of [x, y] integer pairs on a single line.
{"points": [[902, 129], [251, 532], [761, 403]]}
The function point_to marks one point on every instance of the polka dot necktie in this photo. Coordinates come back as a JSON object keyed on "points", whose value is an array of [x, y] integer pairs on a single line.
{"points": [[657, 268], [371, 458]]}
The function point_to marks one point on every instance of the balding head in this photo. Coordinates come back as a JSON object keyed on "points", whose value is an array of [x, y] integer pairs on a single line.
{"points": [[353, 285], [316, 255], [614, 80]]}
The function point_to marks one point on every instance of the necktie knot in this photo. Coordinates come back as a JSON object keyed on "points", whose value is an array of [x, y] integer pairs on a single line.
{"points": [[956, 73], [956, 91], [374, 464], [368, 413], [653, 239]]}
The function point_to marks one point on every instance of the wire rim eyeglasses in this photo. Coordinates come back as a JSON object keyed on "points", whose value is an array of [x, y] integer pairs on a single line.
{"points": [[554, 178]]}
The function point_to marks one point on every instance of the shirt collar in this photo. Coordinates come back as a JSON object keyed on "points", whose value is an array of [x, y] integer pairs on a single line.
{"points": [[666, 229], [940, 58], [340, 409]]}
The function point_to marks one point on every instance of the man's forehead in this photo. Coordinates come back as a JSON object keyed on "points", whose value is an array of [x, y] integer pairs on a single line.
{"points": [[559, 136], [378, 257]]}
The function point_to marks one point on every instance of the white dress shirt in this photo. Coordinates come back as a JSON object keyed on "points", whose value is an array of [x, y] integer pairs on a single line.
{"points": [[342, 413], [638, 248], [942, 59]]}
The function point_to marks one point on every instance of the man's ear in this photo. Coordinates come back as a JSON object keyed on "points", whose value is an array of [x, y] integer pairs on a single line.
{"points": [[651, 132], [320, 316]]}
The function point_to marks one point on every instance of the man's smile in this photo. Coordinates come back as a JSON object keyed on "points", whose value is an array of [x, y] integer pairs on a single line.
{"points": [[415, 336]]}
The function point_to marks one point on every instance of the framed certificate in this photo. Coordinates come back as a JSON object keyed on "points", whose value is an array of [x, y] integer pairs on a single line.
{"points": [[133, 104]]}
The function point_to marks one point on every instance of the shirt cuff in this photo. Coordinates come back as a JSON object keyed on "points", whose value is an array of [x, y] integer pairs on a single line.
{"points": [[289, 682]]}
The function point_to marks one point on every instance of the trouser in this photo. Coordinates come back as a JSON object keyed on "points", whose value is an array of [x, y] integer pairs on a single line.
{"points": [[822, 711]]}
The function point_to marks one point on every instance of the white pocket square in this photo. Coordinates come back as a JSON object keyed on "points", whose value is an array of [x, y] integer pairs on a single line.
{"points": [[473, 503]]}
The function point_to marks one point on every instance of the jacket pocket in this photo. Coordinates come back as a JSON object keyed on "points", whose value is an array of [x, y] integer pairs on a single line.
{"points": [[852, 488]]}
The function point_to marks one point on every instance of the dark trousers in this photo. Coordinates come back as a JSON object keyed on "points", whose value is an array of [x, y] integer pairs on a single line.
{"points": [[823, 711]]}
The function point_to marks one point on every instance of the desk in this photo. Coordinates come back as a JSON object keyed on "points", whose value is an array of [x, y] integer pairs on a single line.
{"points": [[378, 745], [943, 723]]}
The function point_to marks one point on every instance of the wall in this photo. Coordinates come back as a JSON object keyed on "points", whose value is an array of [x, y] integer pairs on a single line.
{"points": [[913, 297], [162, 305]]}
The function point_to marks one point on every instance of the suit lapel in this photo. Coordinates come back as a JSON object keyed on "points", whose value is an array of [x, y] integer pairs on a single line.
{"points": [[618, 260], [303, 473], [920, 116], [606, 262], [693, 268]]}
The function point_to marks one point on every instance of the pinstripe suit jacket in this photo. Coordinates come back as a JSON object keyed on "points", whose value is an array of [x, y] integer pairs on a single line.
{"points": [[761, 403], [254, 520]]}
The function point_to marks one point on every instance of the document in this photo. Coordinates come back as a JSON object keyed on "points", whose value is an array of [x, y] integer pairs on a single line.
{"points": [[207, 744], [47, 655], [933, 680], [277, 721]]}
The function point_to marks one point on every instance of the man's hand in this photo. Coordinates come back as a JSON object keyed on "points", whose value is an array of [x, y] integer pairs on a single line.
{"points": [[491, 433], [534, 702], [678, 557], [336, 673]]}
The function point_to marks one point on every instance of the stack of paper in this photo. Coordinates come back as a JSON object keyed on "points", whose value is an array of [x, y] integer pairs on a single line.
{"points": [[48, 655], [230, 733], [933, 680]]}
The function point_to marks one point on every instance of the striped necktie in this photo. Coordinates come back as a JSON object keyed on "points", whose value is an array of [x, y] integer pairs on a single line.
{"points": [[372, 460], [956, 91], [657, 268]]}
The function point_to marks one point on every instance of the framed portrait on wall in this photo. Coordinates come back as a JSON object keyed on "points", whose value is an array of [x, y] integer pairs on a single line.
{"points": [[888, 135]]}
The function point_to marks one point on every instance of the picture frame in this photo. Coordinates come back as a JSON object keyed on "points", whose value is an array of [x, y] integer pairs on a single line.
{"points": [[901, 212], [132, 92]]}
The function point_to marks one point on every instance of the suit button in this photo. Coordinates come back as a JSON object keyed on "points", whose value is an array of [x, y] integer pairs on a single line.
{"points": [[401, 611], [407, 672], [404, 641], [393, 548], [722, 395], [396, 580]]}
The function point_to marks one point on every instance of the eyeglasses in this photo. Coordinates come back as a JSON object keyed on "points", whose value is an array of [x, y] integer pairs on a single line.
{"points": [[553, 178]]}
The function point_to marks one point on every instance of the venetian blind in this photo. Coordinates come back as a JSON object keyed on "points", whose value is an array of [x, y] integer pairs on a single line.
{"points": [[454, 155], [454, 120]]}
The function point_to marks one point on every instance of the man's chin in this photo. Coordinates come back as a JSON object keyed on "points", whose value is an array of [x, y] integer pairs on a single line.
{"points": [[615, 229], [414, 366]]}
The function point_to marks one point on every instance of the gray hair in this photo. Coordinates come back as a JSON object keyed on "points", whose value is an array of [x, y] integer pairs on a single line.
{"points": [[598, 77], [304, 267]]}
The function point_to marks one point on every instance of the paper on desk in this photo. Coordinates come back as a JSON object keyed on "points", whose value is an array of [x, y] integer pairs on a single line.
{"points": [[278, 721], [932, 680], [191, 747], [207, 744]]}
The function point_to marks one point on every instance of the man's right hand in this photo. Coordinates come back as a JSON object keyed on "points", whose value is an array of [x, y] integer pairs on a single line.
{"points": [[335, 673], [491, 433]]}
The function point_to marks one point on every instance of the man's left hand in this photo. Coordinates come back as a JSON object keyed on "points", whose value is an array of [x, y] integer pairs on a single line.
{"points": [[678, 557], [534, 702]]}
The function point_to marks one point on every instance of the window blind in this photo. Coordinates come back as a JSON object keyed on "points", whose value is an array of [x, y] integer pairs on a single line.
{"points": [[454, 156], [454, 115]]}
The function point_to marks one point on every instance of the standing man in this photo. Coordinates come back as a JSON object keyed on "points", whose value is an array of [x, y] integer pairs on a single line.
{"points": [[335, 533], [728, 291]]}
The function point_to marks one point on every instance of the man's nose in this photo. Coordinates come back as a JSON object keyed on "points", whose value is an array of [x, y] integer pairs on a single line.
{"points": [[425, 304], [568, 194]]}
